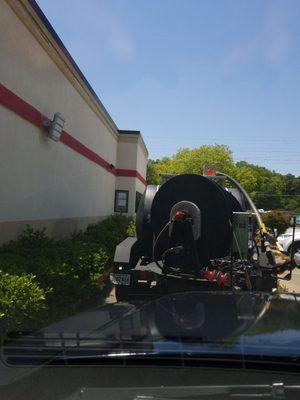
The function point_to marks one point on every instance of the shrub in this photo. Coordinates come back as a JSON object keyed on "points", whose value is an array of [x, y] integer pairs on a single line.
{"points": [[21, 302], [276, 219], [70, 270], [75, 279], [28, 253], [110, 232]]}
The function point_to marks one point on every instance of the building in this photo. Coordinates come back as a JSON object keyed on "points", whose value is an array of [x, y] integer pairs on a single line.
{"points": [[93, 170]]}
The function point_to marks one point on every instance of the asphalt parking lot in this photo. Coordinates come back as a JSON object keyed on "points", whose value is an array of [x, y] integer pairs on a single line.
{"points": [[292, 286]]}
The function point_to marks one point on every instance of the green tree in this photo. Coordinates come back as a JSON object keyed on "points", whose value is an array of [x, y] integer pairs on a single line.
{"points": [[292, 185], [153, 177], [292, 204], [269, 185], [192, 161], [269, 189], [247, 177]]}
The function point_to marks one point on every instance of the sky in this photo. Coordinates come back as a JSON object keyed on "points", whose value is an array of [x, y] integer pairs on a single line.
{"points": [[192, 72]]}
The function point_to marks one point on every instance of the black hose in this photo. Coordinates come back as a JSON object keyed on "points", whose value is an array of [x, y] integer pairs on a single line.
{"points": [[156, 242]]}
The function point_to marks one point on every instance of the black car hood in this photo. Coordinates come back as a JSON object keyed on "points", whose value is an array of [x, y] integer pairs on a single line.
{"points": [[194, 323]]}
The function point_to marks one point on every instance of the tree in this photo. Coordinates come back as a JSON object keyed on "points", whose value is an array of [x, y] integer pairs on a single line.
{"points": [[247, 177], [269, 189], [152, 173], [193, 160], [292, 185], [269, 185]]}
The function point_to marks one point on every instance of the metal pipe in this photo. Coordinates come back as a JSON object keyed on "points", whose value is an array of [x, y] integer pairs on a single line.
{"points": [[249, 200]]}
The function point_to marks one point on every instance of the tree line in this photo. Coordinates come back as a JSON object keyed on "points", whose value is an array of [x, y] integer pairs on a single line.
{"points": [[269, 189]]}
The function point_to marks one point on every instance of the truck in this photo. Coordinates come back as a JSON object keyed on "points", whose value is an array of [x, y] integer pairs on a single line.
{"points": [[196, 233]]}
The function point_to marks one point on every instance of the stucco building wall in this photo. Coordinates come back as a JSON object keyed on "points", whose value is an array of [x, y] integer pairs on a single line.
{"points": [[46, 183]]}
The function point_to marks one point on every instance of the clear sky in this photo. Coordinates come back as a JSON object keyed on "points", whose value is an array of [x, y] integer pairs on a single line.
{"points": [[193, 72]]}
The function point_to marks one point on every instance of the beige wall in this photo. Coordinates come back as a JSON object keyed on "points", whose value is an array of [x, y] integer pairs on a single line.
{"points": [[42, 179], [127, 149], [45, 182], [131, 154], [142, 158], [139, 186], [45, 179], [27, 70], [54, 227]]}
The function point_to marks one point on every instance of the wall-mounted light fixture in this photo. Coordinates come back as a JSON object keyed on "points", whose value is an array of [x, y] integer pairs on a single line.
{"points": [[55, 127]]}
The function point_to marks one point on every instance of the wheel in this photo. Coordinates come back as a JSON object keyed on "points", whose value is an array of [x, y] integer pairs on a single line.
{"points": [[296, 247]]}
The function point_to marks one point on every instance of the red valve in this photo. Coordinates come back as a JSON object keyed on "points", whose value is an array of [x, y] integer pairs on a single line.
{"points": [[178, 216], [223, 279], [209, 274]]}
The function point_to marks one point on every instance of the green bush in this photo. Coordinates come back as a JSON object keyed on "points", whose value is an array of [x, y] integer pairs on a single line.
{"points": [[276, 219], [75, 278], [21, 302], [110, 232], [69, 270]]}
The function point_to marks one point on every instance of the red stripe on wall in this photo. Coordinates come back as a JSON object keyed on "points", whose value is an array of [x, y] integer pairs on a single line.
{"points": [[131, 173], [10, 100], [14, 103], [80, 148]]}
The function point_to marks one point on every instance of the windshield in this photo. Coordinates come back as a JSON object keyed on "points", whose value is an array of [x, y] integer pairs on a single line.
{"points": [[150, 199]]}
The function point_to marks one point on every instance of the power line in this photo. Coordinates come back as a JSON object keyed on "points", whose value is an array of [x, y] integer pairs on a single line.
{"points": [[268, 159], [208, 139], [259, 152], [277, 195], [267, 151]]}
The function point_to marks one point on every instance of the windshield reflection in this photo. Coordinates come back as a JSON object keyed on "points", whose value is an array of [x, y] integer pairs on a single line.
{"points": [[197, 323]]}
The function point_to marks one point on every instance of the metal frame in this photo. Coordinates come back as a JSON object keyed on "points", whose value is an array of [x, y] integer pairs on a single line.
{"points": [[127, 200]]}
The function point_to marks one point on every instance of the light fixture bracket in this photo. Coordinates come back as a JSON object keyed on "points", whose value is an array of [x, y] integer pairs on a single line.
{"points": [[54, 128]]}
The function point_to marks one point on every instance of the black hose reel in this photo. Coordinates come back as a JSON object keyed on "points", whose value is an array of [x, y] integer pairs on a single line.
{"points": [[206, 209]]}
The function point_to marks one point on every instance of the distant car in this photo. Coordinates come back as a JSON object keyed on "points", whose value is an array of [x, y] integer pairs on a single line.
{"points": [[284, 241]]}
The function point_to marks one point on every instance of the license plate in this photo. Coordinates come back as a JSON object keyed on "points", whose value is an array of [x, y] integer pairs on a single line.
{"points": [[120, 279]]}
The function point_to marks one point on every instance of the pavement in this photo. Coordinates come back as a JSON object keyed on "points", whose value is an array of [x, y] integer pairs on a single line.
{"points": [[292, 286], [111, 298]]}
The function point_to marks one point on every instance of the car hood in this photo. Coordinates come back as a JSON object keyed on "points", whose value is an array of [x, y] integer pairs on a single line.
{"points": [[191, 323]]}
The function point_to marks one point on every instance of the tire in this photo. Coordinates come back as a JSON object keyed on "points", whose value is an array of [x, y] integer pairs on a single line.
{"points": [[296, 247]]}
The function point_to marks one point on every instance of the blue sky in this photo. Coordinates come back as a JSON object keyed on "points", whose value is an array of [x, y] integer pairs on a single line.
{"points": [[193, 72]]}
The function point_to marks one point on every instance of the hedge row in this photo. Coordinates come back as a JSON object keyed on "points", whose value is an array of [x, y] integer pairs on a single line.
{"points": [[43, 279]]}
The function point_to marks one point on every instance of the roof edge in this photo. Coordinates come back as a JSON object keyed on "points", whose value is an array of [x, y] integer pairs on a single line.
{"points": [[67, 54], [137, 134]]}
